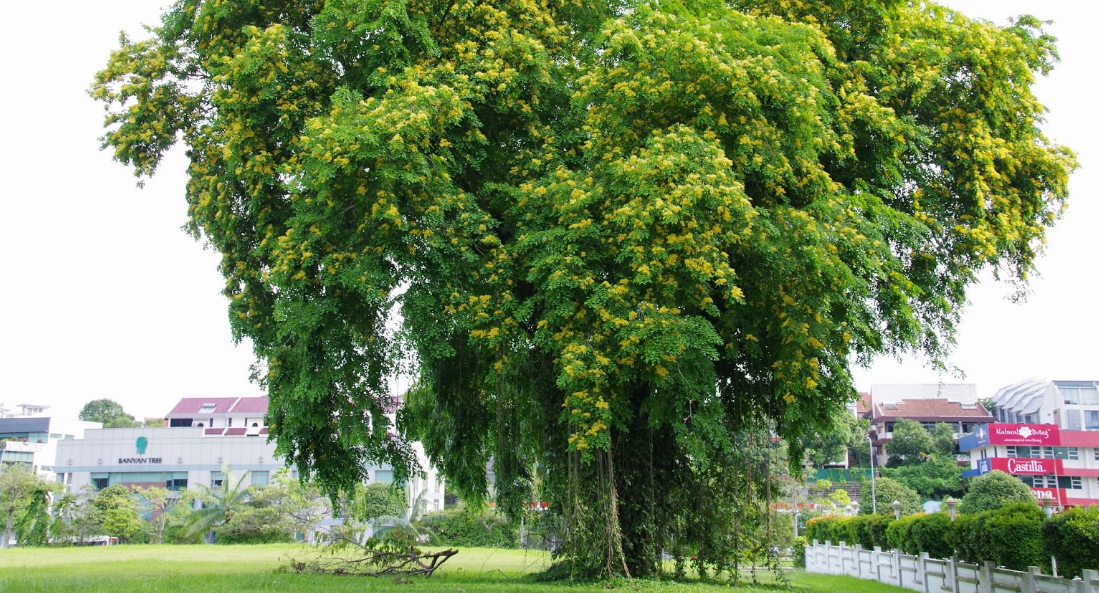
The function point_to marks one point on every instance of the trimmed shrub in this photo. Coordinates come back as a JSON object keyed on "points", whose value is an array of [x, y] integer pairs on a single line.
{"points": [[1013, 535], [994, 490], [1073, 537], [827, 528], [1010, 536], [928, 533], [899, 534]]}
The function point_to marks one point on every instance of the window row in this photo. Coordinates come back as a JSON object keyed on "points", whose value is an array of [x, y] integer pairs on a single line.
{"points": [[1067, 482], [1034, 452], [170, 480]]}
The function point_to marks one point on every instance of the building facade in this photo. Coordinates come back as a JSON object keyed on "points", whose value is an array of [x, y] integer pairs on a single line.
{"points": [[31, 437], [1061, 465], [205, 437], [1071, 405]]}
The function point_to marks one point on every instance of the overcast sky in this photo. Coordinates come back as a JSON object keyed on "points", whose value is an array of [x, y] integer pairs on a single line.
{"points": [[104, 295]]}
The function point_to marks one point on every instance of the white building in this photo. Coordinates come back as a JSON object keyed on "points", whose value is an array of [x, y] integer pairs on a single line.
{"points": [[203, 437], [1071, 405], [31, 437]]}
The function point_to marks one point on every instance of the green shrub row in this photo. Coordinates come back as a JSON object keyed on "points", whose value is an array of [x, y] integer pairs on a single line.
{"points": [[464, 528], [1016, 536]]}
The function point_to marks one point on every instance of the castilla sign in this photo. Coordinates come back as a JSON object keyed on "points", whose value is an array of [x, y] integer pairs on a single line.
{"points": [[1029, 466], [1020, 467]]}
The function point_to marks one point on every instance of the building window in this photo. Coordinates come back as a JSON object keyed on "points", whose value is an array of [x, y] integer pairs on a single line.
{"points": [[101, 480], [207, 408], [1070, 453], [216, 479], [1070, 482], [383, 476], [1091, 419], [261, 478]]}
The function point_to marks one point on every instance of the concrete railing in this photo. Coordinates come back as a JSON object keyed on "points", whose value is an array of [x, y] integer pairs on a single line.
{"points": [[931, 575]]}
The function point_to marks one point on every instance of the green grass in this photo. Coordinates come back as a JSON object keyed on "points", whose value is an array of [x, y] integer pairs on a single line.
{"points": [[245, 569]]}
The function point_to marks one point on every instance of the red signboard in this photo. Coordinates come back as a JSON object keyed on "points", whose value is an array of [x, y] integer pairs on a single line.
{"points": [[1024, 434], [1028, 467], [1057, 495]]}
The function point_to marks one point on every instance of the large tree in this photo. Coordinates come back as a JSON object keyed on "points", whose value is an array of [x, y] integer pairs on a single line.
{"points": [[109, 413], [625, 240]]}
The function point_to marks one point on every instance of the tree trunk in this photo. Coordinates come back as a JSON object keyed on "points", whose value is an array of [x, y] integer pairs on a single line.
{"points": [[7, 528]]}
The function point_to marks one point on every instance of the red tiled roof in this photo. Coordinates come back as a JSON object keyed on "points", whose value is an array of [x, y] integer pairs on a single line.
{"points": [[251, 405], [189, 406], [235, 431], [862, 406], [932, 410], [214, 430], [263, 431]]}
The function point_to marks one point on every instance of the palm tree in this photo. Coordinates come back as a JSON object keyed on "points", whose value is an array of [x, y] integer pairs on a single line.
{"points": [[219, 503]]}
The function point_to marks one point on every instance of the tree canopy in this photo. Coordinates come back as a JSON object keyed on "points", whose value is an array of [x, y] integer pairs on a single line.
{"points": [[619, 243], [109, 413], [992, 491]]}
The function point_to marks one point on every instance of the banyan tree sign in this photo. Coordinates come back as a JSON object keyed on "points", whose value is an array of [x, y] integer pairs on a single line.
{"points": [[141, 444]]}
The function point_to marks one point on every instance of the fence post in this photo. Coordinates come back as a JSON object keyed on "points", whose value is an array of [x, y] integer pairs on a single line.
{"points": [[1030, 584], [858, 560], [952, 574], [843, 553], [921, 571], [984, 577], [1091, 577], [875, 563], [897, 567]]}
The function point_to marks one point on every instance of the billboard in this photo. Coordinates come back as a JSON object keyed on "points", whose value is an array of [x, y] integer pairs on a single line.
{"points": [[1028, 467], [1024, 434]]}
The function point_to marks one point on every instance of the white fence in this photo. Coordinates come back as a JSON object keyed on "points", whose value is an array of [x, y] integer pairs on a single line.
{"points": [[931, 575]]}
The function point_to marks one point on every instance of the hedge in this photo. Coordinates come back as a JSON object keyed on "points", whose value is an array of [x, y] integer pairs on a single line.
{"points": [[1073, 536], [1011, 536]]}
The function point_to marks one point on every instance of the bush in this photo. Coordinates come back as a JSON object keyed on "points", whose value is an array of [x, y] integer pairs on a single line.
{"points": [[929, 534], [1073, 537], [798, 551], [826, 528], [1013, 535], [464, 528], [886, 491], [1010, 536], [899, 534], [994, 490]]}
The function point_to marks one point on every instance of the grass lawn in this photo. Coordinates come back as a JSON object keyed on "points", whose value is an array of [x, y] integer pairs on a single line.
{"points": [[233, 569]]}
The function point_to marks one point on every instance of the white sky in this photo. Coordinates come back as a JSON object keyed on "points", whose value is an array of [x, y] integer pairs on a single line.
{"points": [[104, 296]]}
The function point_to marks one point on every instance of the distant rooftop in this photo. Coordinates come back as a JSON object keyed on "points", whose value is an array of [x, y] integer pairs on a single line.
{"points": [[933, 410]]}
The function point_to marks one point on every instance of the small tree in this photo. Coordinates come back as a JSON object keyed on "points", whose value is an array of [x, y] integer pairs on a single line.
{"points": [[19, 486], [75, 517], [911, 441], [118, 512], [219, 504], [888, 490], [992, 491], [942, 440], [159, 503]]}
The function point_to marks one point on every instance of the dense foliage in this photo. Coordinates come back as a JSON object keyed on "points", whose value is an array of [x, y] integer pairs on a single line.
{"points": [[107, 412], [994, 490], [933, 478], [625, 237], [470, 529], [1011, 536], [886, 491], [1073, 537]]}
